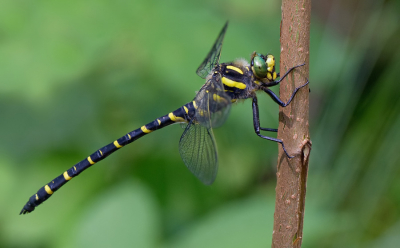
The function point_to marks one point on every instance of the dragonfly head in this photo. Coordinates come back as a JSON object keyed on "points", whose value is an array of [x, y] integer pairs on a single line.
{"points": [[263, 66]]}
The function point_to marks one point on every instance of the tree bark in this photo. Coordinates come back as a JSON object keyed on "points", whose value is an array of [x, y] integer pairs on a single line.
{"points": [[293, 126]]}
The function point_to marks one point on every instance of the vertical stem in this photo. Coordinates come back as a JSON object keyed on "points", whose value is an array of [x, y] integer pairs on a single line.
{"points": [[293, 126]]}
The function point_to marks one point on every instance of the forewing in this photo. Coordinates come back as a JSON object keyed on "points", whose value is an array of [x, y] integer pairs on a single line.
{"points": [[213, 104], [213, 56], [198, 151]]}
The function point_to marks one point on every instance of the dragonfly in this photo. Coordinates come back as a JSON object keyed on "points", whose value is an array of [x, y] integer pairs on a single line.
{"points": [[225, 83]]}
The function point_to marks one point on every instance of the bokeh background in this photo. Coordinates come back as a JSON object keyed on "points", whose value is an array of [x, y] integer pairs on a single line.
{"points": [[76, 75]]}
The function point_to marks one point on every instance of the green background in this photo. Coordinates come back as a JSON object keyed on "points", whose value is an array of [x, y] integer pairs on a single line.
{"points": [[76, 75]]}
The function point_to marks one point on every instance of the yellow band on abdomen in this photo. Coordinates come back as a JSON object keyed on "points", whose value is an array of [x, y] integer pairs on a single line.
{"points": [[48, 190], [117, 145], [175, 118], [66, 176], [145, 130], [90, 160]]}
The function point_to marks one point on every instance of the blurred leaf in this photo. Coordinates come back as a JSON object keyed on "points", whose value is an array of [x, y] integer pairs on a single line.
{"points": [[246, 223], [124, 216]]}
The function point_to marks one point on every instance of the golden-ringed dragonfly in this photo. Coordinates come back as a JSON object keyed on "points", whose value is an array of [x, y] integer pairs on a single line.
{"points": [[225, 83]]}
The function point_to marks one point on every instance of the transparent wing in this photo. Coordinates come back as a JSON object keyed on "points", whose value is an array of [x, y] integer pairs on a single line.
{"points": [[198, 151], [213, 56], [213, 104]]}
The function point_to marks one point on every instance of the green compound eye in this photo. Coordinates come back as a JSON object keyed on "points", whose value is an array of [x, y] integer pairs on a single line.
{"points": [[259, 67]]}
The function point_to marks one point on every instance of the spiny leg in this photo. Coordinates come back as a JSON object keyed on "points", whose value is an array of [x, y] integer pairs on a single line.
{"points": [[269, 129], [280, 79], [256, 122], [278, 100]]}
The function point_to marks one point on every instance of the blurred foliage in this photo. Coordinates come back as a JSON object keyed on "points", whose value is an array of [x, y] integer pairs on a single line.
{"points": [[75, 75]]}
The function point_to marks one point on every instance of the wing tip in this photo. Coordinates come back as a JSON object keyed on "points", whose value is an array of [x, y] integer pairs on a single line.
{"points": [[204, 69], [208, 182]]}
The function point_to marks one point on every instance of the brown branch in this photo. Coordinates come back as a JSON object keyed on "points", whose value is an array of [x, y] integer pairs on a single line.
{"points": [[293, 126]]}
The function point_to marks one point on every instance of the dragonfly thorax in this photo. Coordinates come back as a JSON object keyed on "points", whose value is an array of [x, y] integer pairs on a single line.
{"points": [[237, 79], [241, 79]]}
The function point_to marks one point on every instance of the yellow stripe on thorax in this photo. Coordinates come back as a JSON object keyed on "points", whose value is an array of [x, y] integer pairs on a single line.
{"points": [[145, 130], [234, 68], [66, 176], [233, 84], [48, 190], [186, 109], [218, 98], [194, 105]]}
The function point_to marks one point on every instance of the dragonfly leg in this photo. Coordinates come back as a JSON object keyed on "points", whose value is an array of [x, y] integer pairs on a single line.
{"points": [[269, 129], [257, 128], [280, 79], [278, 100]]}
